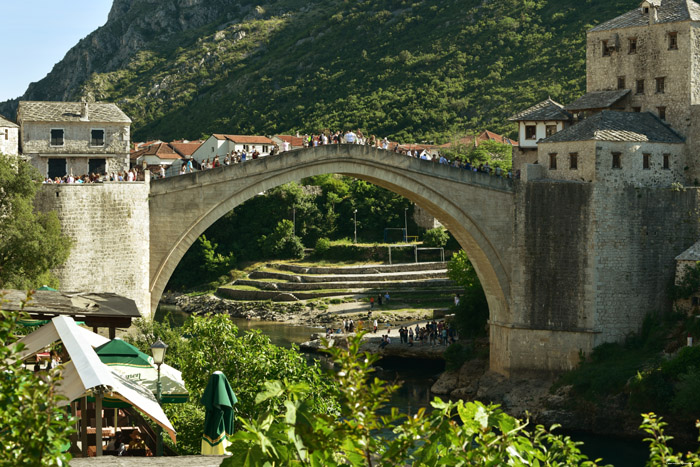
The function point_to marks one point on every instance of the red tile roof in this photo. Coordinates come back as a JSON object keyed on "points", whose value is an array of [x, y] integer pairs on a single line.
{"points": [[244, 139], [295, 141], [186, 149], [160, 150]]}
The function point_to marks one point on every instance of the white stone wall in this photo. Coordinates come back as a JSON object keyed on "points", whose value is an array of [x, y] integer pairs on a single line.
{"points": [[540, 133], [76, 149], [9, 141], [109, 225]]}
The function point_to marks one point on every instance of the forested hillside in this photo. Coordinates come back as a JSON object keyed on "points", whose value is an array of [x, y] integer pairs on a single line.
{"points": [[411, 70]]}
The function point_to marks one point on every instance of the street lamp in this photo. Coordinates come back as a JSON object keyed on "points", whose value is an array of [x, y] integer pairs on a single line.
{"points": [[354, 218], [405, 224], [294, 221], [158, 349]]}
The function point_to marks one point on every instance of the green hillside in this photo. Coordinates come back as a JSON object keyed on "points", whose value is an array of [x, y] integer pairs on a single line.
{"points": [[411, 70]]}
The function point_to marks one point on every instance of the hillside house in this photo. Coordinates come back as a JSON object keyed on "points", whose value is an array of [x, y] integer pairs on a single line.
{"points": [[535, 124], [59, 138], [222, 145], [155, 156], [292, 142], [9, 137]]}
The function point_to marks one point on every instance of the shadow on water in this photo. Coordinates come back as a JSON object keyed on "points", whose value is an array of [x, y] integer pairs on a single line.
{"points": [[416, 379]]}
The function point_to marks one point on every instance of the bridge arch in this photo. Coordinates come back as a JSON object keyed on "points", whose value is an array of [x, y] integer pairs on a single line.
{"points": [[476, 209]]}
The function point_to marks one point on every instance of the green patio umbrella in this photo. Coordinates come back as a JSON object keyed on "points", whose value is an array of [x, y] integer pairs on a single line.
{"points": [[218, 399], [137, 366]]}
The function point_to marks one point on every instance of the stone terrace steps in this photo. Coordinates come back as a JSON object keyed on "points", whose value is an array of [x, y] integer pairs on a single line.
{"points": [[344, 285], [363, 277], [365, 269]]}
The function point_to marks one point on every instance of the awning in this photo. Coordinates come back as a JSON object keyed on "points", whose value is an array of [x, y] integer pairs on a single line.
{"points": [[85, 373]]}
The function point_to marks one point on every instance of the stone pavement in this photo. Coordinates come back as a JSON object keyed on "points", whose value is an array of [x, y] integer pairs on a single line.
{"points": [[178, 461]]}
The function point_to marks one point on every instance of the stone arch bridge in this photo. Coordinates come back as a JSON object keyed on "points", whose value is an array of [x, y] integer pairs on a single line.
{"points": [[565, 265]]}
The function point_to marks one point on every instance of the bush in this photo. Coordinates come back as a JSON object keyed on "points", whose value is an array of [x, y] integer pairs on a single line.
{"points": [[322, 246], [282, 243], [436, 237], [682, 362], [686, 400]]}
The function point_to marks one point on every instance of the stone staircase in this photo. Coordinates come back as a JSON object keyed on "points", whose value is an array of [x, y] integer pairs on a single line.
{"points": [[291, 282]]}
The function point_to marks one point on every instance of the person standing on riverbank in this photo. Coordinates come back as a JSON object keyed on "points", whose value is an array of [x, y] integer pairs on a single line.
{"points": [[375, 326]]}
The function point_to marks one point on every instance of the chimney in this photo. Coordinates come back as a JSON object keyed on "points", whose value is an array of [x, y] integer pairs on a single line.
{"points": [[84, 110]]}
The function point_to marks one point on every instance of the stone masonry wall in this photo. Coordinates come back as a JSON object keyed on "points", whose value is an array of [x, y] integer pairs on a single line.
{"points": [[9, 141], [109, 225], [638, 232]]}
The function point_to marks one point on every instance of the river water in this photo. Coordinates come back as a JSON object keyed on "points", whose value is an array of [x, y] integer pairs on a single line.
{"points": [[416, 381]]}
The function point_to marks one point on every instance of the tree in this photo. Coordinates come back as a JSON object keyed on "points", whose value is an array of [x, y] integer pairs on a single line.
{"points": [[453, 434], [31, 243], [282, 243], [472, 313], [34, 429], [211, 343], [436, 237]]}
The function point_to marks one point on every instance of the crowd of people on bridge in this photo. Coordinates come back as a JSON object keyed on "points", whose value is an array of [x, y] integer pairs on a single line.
{"points": [[135, 174]]}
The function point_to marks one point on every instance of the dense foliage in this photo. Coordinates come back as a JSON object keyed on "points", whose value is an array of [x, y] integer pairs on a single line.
{"points": [[34, 430], [472, 313], [209, 343], [30, 243], [409, 70], [452, 434]]}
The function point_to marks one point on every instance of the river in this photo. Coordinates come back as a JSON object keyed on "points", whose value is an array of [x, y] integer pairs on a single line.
{"points": [[416, 381]]}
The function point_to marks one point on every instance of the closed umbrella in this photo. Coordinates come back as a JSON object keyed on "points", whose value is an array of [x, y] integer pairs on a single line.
{"points": [[137, 366], [218, 400]]}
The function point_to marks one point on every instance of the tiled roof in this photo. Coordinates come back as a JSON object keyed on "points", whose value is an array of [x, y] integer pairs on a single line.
{"points": [[547, 110], [669, 11], [31, 111], [160, 150], [245, 139], [186, 149], [609, 125], [597, 100], [295, 141], [691, 254], [5, 123]]}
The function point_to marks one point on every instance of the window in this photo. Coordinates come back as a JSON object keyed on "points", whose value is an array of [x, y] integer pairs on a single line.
{"points": [[553, 161], [97, 137], [530, 132], [606, 49], [662, 112], [616, 162], [550, 129], [57, 138], [620, 82], [672, 41], [573, 161], [645, 10], [640, 86], [636, 109], [57, 168], [212, 149], [667, 162], [97, 166], [632, 45], [646, 158], [7, 134], [660, 85]]}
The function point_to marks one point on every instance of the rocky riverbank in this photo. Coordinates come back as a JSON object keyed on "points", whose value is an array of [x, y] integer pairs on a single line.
{"points": [[313, 313]]}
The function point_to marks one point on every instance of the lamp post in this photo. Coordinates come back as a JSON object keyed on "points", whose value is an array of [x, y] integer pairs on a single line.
{"points": [[405, 224], [158, 349], [294, 221], [354, 218]]}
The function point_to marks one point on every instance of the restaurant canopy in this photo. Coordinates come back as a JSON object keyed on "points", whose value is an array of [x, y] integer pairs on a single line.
{"points": [[85, 373]]}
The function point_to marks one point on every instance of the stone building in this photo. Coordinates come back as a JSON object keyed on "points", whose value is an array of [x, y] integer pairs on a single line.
{"points": [[9, 137], [221, 145], [690, 258], [644, 62], [60, 138]]}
